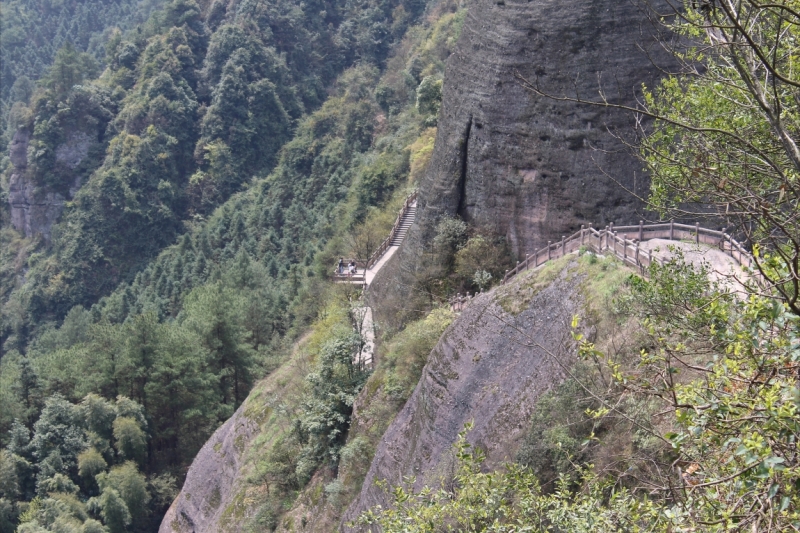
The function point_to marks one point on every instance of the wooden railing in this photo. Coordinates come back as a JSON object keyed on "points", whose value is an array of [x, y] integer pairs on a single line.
{"points": [[623, 242], [361, 265], [459, 302], [388, 241]]}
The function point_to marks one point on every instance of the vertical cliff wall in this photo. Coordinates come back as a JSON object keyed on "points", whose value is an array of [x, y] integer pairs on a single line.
{"points": [[33, 210], [37, 206], [528, 167], [523, 166]]}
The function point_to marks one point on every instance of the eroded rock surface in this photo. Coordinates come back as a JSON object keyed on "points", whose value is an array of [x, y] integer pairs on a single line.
{"points": [[526, 167], [34, 209], [529, 167], [490, 367], [209, 485]]}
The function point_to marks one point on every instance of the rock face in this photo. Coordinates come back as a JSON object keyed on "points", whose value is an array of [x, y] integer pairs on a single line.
{"points": [[527, 167], [490, 366], [208, 488], [34, 209]]}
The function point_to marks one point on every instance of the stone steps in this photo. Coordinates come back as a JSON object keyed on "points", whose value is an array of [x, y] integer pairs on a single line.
{"points": [[405, 224]]}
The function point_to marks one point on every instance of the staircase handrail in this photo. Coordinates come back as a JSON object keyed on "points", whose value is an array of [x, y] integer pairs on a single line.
{"points": [[388, 241]]}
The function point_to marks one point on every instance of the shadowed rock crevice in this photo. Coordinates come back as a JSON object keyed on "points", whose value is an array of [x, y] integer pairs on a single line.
{"points": [[464, 168]]}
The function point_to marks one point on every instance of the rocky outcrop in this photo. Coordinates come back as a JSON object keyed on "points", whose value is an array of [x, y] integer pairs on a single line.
{"points": [[526, 167], [209, 486], [34, 209], [490, 367]]}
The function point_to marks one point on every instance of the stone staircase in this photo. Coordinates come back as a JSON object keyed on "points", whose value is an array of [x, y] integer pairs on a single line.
{"points": [[366, 270], [405, 223]]}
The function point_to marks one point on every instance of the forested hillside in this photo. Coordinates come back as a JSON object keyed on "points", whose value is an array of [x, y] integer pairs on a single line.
{"points": [[233, 150], [33, 31], [169, 129]]}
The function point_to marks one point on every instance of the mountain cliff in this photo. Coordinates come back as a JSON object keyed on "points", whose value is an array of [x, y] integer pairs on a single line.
{"points": [[527, 167], [490, 368], [524, 167]]}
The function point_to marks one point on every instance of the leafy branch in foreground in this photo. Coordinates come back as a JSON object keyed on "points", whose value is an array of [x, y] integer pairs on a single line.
{"points": [[508, 500], [725, 370]]}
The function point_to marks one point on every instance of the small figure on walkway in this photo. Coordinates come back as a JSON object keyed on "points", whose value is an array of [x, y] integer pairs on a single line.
{"points": [[341, 266], [352, 268]]}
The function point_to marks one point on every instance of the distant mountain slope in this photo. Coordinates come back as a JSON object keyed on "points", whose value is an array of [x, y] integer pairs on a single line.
{"points": [[188, 111], [197, 322], [34, 30]]}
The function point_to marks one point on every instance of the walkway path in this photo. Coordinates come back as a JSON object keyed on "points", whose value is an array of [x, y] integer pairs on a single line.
{"points": [[366, 272], [639, 246], [363, 319], [628, 244], [405, 220], [362, 316]]}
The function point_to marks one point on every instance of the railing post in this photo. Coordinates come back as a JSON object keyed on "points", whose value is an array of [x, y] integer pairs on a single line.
{"points": [[505, 277], [549, 243], [697, 233], [582, 229], [563, 249], [641, 230], [624, 249], [722, 240], [605, 234], [527, 258], [671, 230], [636, 252]]}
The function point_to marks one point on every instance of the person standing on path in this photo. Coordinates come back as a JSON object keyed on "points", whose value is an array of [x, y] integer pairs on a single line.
{"points": [[341, 266]]}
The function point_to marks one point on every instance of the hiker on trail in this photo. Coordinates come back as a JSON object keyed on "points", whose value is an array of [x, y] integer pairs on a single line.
{"points": [[352, 267], [341, 266]]}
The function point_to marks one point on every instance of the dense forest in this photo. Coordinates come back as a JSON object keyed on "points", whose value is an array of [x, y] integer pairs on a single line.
{"points": [[34, 31], [231, 150]]}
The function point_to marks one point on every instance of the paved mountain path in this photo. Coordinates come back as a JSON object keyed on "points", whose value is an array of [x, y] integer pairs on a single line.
{"points": [[363, 315]]}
